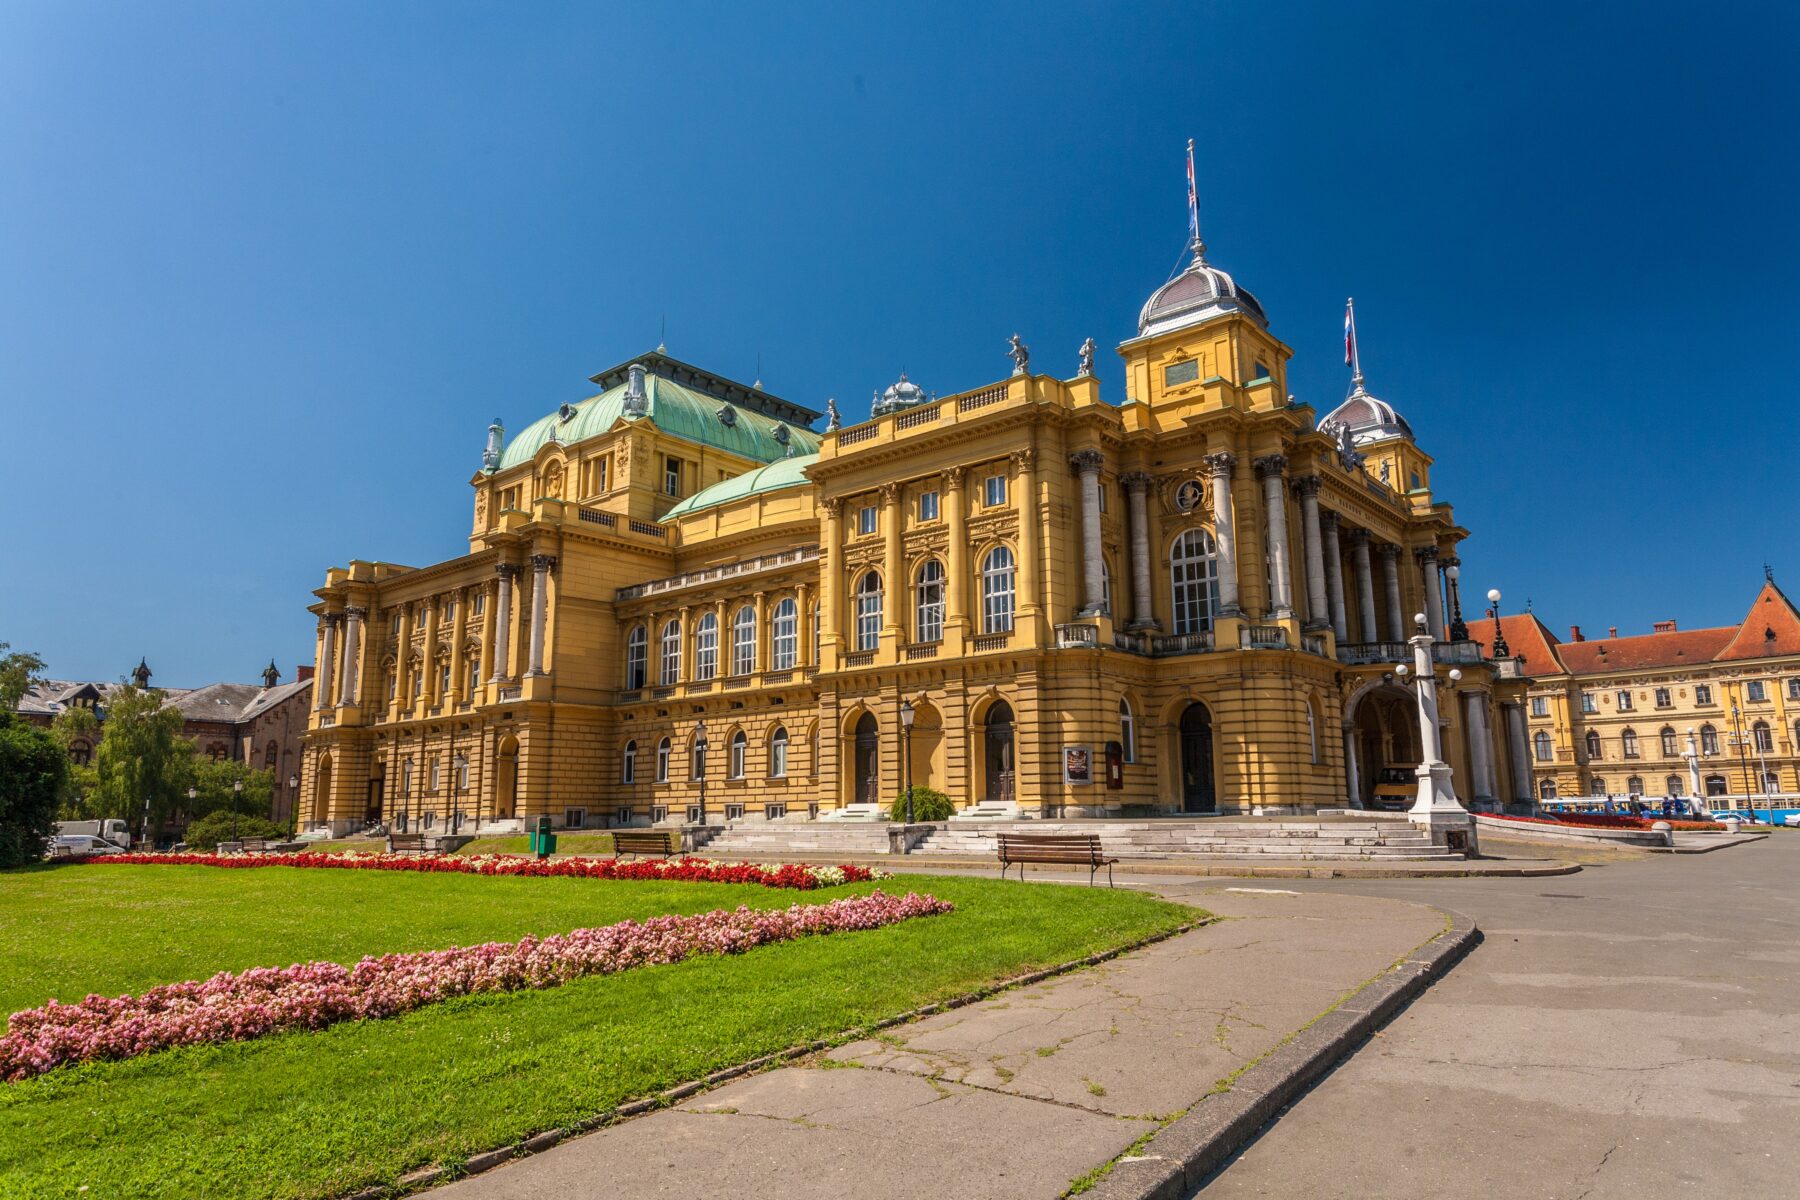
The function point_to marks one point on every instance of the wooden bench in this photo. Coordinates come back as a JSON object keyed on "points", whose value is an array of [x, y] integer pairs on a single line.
{"points": [[255, 846], [1078, 849], [664, 842], [407, 843]]}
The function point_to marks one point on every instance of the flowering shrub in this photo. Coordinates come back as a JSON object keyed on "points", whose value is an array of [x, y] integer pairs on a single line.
{"points": [[1610, 821], [265, 1000], [680, 870]]}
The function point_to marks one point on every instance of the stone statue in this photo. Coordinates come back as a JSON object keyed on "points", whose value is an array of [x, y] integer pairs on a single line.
{"points": [[1347, 449], [1087, 360], [832, 420], [1384, 471], [1020, 353]]}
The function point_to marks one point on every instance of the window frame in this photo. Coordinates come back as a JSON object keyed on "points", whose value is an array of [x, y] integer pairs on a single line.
{"points": [[738, 754], [1193, 581], [637, 657], [928, 602], [928, 508], [743, 641], [706, 646], [999, 590], [778, 753], [668, 655], [993, 491], [628, 762], [664, 751], [784, 636], [869, 599]]}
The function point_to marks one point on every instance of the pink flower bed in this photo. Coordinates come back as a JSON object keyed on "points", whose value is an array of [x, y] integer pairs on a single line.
{"points": [[314, 995], [682, 870]]}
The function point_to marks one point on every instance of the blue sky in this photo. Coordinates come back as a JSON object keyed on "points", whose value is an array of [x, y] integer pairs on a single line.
{"points": [[267, 271]]}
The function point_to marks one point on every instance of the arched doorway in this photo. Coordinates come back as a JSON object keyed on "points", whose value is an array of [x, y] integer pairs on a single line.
{"points": [[1197, 791], [1384, 738], [927, 747], [322, 789], [997, 726], [506, 779], [866, 755]]}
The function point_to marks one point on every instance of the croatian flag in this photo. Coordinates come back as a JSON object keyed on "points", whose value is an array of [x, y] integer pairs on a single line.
{"points": [[1193, 197], [1349, 333]]}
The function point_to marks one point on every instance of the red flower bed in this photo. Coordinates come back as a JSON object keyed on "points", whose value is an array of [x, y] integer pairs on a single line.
{"points": [[1611, 821], [682, 870]]}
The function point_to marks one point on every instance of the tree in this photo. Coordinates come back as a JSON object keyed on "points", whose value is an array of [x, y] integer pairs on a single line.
{"points": [[212, 780], [19, 669], [72, 726], [32, 771], [205, 833], [143, 760]]}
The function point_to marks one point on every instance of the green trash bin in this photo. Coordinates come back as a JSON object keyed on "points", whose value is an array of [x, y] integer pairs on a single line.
{"points": [[543, 842]]}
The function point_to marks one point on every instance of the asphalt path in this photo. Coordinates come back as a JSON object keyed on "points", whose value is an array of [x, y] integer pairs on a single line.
{"points": [[1629, 1031]]}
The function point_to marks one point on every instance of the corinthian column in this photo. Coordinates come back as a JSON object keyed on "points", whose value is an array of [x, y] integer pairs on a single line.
{"points": [[1365, 584], [956, 572], [1137, 491], [1310, 534], [502, 621], [540, 608], [1390, 578], [353, 619], [1093, 571], [1218, 470], [1334, 577], [327, 656], [1030, 599], [1434, 593], [1269, 469], [893, 568]]}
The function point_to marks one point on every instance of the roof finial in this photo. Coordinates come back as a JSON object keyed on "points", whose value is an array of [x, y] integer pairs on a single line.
{"points": [[1198, 246], [1352, 353], [758, 384], [1768, 573]]}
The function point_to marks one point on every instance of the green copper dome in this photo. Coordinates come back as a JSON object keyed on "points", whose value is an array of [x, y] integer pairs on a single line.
{"points": [[781, 474]]}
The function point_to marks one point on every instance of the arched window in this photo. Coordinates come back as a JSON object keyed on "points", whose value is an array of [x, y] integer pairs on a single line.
{"points": [[1771, 782], [1670, 747], [868, 611], [784, 642], [997, 591], [1598, 787], [1759, 733], [636, 657], [778, 750], [1629, 743], [1194, 575], [706, 647], [628, 763], [1672, 786], [1715, 785], [739, 747], [1709, 744], [928, 609], [1541, 746], [1105, 588], [1127, 731], [662, 761], [1547, 789], [743, 641], [818, 635], [1635, 785], [670, 669], [1593, 745]]}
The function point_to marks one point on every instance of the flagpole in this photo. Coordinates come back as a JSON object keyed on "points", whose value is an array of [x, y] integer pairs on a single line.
{"points": [[1195, 244], [1356, 375]]}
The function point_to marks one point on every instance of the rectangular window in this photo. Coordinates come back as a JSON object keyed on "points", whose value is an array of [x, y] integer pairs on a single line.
{"points": [[1662, 698], [1540, 706], [478, 604], [1624, 701], [1587, 703], [865, 519], [1702, 693], [1755, 690], [434, 775], [928, 511], [1181, 372], [1794, 689], [993, 491], [474, 678], [672, 476]]}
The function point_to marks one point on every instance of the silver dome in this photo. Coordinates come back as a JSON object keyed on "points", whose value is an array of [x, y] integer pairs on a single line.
{"points": [[1366, 418], [902, 394], [1197, 294]]}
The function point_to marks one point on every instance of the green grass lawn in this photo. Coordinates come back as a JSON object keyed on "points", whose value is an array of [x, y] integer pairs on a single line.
{"points": [[315, 1114]]}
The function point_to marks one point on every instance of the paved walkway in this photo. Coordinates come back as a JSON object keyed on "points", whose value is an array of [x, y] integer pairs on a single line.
{"points": [[1629, 1032], [1016, 1096]]}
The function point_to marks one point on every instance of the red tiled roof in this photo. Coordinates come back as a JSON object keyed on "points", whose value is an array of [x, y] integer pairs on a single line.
{"points": [[1688, 647], [1772, 627], [1525, 636]]}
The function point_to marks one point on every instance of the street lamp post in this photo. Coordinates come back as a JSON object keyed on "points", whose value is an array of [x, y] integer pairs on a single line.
{"points": [[1500, 648], [1737, 738], [293, 805], [1459, 631], [237, 791], [700, 764], [193, 794], [906, 724]]}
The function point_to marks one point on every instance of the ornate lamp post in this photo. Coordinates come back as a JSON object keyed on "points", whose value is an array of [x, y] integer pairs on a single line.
{"points": [[1459, 632], [906, 724], [1500, 649], [237, 791], [458, 765], [700, 764], [1437, 811], [293, 805]]}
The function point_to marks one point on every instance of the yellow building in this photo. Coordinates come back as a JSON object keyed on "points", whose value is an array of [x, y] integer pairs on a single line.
{"points": [[1675, 712], [681, 604]]}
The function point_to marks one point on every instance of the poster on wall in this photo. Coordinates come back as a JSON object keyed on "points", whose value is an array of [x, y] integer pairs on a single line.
{"points": [[1078, 764]]}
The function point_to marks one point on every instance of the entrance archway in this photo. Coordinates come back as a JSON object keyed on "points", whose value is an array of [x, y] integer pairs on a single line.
{"points": [[506, 779], [1198, 794], [1384, 737], [998, 780], [866, 756]]}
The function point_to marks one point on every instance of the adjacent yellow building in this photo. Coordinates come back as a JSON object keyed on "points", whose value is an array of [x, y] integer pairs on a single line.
{"points": [[681, 604]]}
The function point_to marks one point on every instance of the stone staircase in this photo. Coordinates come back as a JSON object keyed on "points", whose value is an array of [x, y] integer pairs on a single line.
{"points": [[774, 839], [1297, 839]]}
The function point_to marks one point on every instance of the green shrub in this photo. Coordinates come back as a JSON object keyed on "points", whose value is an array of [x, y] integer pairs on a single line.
{"points": [[205, 833], [928, 804], [33, 771]]}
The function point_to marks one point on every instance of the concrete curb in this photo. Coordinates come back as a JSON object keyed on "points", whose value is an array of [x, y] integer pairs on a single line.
{"points": [[428, 1176], [1185, 1153]]}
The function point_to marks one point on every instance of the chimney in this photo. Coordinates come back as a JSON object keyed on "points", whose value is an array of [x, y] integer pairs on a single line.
{"points": [[303, 672], [1612, 631], [1575, 634], [1663, 627]]}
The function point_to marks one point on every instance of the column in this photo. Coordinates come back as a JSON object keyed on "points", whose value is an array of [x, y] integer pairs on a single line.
{"points": [[760, 658], [1314, 541], [1269, 470], [1093, 588], [1434, 595], [831, 574], [1353, 768], [487, 635], [402, 701], [893, 566], [503, 622], [1137, 493], [459, 637], [1334, 577], [540, 608], [1365, 584], [428, 675], [1218, 469], [1481, 752], [803, 631], [1030, 599], [1518, 750], [353, 618], [1390, 578], [327, 654], [956, 571]]}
